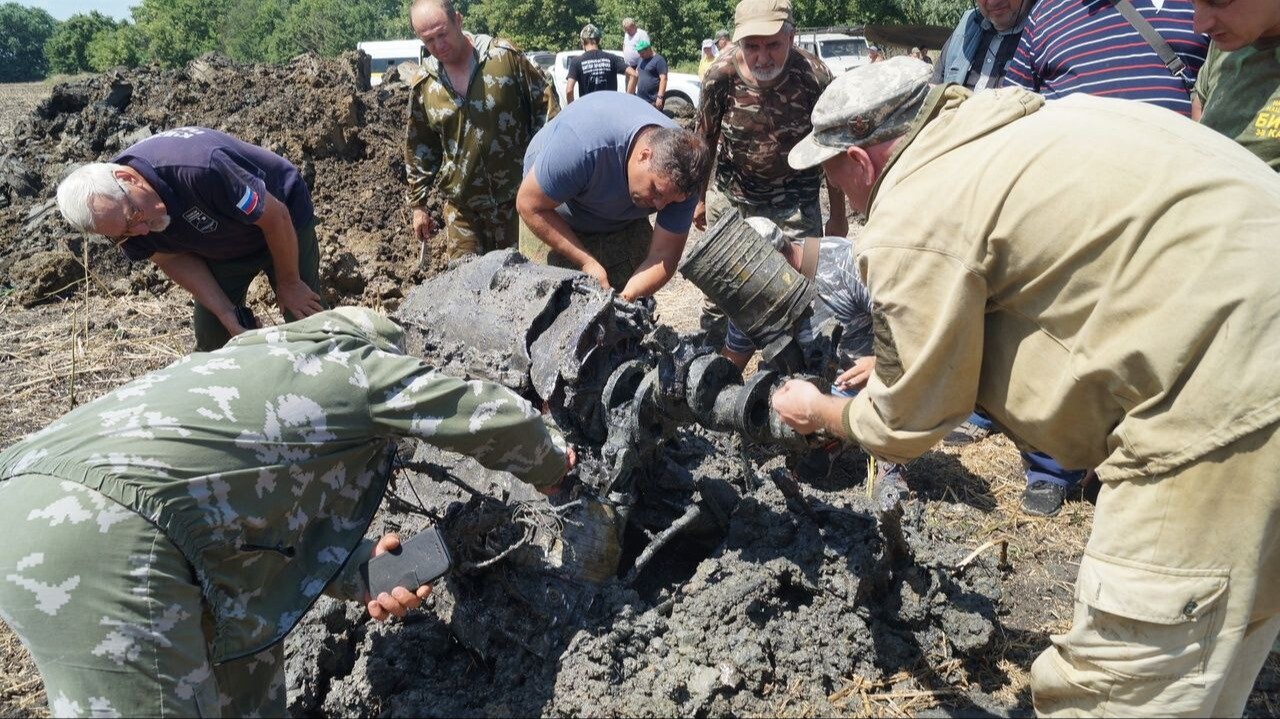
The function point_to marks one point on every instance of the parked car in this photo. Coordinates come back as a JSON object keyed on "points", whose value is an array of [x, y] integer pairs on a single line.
{"points": [[683, 90], [840, 52], [385, 54]]}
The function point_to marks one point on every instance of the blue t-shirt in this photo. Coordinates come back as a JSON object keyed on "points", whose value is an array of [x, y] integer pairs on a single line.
{"points": [[580, 160], [214, 188], [650, 73]]}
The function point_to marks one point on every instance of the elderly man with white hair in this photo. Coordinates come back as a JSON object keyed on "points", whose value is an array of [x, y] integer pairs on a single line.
{"points": [[212, 212], [1055, 264]]}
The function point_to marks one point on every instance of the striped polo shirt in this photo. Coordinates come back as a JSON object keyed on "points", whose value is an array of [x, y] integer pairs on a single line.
{"points": [[1071, 46]]}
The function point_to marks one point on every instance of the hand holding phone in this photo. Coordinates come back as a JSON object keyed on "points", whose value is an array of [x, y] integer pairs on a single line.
{"points": [[397, 578]]}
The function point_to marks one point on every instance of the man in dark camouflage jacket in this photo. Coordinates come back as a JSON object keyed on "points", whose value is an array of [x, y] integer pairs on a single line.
{"points": [[472, 111], [756, 101]]}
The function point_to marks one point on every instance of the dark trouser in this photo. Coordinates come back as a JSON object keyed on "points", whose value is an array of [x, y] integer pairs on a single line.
{"points": [[620, 253], [235, 276], [1040, 466], [470, 231]]}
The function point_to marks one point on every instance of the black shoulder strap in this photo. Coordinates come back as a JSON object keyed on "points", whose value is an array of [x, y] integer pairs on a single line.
{"points": [[1170, 58]]}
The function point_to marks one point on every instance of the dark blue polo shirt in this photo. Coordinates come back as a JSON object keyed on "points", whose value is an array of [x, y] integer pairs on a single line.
{"points": [[214, 188]]}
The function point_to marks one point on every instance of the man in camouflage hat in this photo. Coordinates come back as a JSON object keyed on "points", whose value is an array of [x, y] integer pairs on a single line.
{"points": [[164, 538], [756, 101], [1127, 322], [472, 111], [594, 70]]}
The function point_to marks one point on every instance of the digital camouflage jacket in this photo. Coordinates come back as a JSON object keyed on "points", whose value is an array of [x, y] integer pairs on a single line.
{"points": [[471, 144], [753, 128], [264, 462]]}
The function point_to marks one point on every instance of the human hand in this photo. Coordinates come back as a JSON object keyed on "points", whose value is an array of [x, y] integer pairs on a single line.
{"points": [[700, 216], [837, 226], [794, 402], [856, 376], [570, 460], [423, 227], [658, 103], [597, 270], [295, 298], [400, 600]]}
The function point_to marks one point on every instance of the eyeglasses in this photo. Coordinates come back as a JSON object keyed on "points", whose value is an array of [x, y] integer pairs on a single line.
{"points": [[131, 218]]}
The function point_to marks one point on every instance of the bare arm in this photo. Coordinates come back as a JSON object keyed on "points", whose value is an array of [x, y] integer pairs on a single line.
{"points": [[633, 78], [568, 90], [193, 275], [658, 268], [539, 212], [292, 294], [662, 91], [1197, 107]]}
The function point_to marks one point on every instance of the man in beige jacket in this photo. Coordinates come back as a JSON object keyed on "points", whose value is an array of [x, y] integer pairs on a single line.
{"points": [[1058, 266]]}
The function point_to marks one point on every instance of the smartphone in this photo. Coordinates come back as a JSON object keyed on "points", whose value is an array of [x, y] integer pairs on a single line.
{"points": [[422, 559]]}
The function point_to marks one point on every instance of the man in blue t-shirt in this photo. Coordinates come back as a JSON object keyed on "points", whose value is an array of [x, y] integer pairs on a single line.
{"points": [[650, 80], [593, 176], [212, 212]]}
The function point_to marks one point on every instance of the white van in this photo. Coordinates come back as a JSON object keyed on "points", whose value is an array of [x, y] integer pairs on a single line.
{"points": [[840, 52], [384, 54]]}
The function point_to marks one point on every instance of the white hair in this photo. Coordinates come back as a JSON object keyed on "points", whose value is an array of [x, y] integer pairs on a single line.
{"points": [[628, 21], [77, 190]]}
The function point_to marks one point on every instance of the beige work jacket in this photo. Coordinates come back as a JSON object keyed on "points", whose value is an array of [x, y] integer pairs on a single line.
{"points": [[1102, 277]]}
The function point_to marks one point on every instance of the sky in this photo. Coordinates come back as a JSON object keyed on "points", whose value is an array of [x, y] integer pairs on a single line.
{"points": [[63, 9]]}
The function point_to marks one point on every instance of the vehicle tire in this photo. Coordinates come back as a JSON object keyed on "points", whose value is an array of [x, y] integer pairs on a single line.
{"points": [[678, 106]]}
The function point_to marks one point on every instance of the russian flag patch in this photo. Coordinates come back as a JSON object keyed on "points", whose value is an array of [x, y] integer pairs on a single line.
{"points": [[248, 201]]}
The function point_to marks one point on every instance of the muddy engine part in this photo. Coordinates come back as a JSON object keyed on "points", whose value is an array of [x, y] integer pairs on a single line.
{"points": [[607, 376]]}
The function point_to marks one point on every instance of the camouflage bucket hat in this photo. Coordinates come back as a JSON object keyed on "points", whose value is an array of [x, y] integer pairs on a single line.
{"points": [[590, 32], [863, 107]]}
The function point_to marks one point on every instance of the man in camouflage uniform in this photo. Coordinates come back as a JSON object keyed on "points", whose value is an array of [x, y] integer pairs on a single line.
{"points": [[472, 111], [756, 101], [164, 538]]}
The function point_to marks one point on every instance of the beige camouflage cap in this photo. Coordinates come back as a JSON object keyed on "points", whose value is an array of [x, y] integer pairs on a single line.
{"points": [[863, 107], [760, 17]]}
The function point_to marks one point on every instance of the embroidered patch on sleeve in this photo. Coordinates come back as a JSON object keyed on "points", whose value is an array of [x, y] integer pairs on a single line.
{"points": [[248, 201]]}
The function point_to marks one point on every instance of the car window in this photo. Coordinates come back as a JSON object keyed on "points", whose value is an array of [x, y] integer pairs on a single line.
{"points": [[845, 47]]}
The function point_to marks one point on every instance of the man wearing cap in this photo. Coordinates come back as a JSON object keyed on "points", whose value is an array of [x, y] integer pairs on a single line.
{"points": [[592, 178], [1135, 336], [648, 79], [873, 54], [212, 212], [1238, 90], [594, 69], [472, 111], [756, 101], [722, 41], [708, 56], [632, 34]]}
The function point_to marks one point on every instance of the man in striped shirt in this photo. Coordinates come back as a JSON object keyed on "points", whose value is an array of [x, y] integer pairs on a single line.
{"points": [[1071, 46]]}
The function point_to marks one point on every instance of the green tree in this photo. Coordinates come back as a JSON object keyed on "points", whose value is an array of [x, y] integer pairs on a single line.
{"points": [[532, 24], [676, 27], [331, 27], [23, 33], [249, 27], [67, 48], [178, 31], [122, 45]]}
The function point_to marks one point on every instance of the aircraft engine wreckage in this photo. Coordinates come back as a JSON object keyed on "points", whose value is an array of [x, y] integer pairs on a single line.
{"points": [[685, 573]]}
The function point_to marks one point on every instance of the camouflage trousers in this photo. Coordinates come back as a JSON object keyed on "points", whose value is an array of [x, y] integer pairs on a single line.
{"points": [[621, 253], [111, 613], [235, 276], [795, 222], [469, 231]]}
